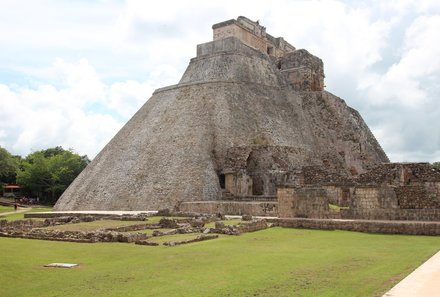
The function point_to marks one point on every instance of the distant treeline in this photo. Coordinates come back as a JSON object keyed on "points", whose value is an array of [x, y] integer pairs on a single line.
{"points": [[44, 174]]}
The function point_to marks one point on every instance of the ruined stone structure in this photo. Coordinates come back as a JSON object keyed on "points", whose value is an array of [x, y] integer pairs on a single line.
{"points": [[253, 35], [397, 191], [248, 116], [391, 191]]}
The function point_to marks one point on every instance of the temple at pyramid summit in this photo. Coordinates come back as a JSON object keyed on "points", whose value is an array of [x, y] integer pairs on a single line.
{"points": [[250, 129]]}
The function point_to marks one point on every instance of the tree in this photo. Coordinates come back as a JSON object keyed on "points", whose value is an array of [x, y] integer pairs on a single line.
{"points": [[8, 166], [436, 165], [47, 173]]}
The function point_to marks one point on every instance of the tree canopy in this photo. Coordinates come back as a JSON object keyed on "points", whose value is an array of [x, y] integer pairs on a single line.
{"points": [[8, 166], [436, 165], [47, 173]]}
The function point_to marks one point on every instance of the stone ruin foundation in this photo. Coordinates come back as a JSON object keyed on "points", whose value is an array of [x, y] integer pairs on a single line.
{"points": [[36, 229], [392, 191]]}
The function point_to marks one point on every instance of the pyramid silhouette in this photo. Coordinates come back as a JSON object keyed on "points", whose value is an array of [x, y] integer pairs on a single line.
{"points": [[248, 114]]}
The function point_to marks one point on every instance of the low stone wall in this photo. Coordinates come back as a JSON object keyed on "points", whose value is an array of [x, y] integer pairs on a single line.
{"points": [[164, 233], [221, 228], [21, 225], [392, 214], [252, 226], [198, 238], [255, 208], [136, 227], [77, 236], [385, 227], [149, 243], [125, 217]]}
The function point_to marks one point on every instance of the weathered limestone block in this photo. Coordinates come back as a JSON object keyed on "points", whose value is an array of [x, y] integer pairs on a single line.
{"points": [[307, 202]]}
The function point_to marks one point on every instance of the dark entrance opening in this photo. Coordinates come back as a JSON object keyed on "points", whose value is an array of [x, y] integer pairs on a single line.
{"points": [[270, 50], [257, 185], [221, 179]]}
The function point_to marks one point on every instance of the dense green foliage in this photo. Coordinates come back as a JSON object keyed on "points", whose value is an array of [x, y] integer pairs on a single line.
{"points": [[274, 262], [436, 165], [47, 173], [8, 166]]}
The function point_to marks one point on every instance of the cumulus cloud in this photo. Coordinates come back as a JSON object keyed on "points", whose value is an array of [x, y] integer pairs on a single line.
{"points": [[407, 94], [379, 56], [83, 114]]}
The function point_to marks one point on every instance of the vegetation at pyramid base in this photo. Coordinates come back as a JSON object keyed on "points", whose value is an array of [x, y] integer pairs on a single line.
{"points": [[8, 166], [44, 174]]}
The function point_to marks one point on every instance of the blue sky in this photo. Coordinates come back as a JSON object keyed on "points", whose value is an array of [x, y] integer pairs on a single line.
{"points": [[73, 72]]}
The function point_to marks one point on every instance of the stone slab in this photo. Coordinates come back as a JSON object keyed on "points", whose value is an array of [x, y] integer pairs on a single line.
{"points": [[61, 265]]}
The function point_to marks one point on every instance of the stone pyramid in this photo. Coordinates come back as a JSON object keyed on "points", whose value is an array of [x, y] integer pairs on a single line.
{"points": [[249, 113]]}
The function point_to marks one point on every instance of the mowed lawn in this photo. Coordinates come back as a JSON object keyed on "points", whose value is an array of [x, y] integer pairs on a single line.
{"points": [[273, 262], [20, 215], [6, 208]]}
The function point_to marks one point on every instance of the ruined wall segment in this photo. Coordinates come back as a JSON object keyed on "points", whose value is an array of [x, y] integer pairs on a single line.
{"points": [[303, 202], [304, 71]]}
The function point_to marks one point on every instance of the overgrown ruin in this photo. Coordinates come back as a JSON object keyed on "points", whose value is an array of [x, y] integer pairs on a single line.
{"points": [[249, 129]]}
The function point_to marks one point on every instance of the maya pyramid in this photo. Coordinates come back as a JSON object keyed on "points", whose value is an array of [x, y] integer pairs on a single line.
{"points": [[249, 113]]}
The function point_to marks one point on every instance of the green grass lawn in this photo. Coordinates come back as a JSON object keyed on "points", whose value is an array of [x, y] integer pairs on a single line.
{"points": [[336, 208], [6, 208], [174, 237], [149, 231], [273, 262], [20, 216]]}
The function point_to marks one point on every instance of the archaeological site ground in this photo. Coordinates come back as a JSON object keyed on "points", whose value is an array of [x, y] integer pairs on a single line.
{"points": [[271, 262], [247, 178]]}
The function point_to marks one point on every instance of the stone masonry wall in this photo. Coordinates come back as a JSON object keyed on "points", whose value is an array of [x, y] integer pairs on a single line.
{"points": [[386, 227], [392, 214], [304, 70], [285, 202], [257, 208], [416, 197], [302, 202], [253, 35]]}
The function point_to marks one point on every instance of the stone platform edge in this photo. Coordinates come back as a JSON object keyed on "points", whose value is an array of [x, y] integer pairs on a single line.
{"points": [[97, 213], [368, 226]]}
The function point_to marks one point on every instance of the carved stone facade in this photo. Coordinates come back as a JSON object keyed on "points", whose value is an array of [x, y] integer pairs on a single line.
{"points": [[252, 34], [304, 71]]}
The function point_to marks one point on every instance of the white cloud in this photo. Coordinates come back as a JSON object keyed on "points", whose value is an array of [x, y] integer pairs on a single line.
{"points": [[407, 95], [83, 114], [380, 56]]}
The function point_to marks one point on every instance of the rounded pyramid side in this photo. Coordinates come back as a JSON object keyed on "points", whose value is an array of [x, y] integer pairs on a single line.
{"points": [[176, 145]]}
